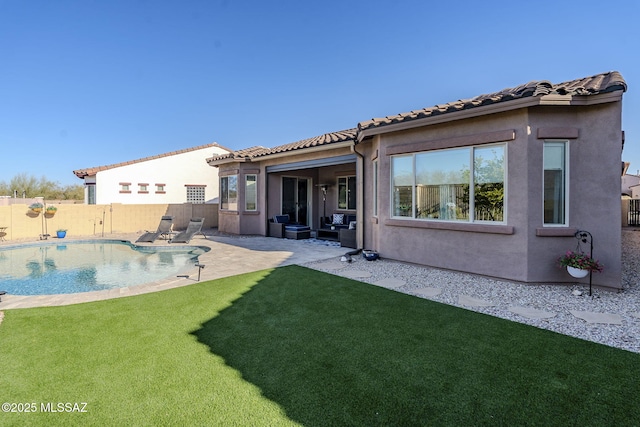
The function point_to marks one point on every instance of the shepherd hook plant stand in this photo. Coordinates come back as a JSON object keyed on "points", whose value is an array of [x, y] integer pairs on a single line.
{"points": [[584, 237]]}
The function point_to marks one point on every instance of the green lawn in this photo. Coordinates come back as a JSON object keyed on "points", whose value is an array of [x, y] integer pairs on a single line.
{"points": [[295, 346]]}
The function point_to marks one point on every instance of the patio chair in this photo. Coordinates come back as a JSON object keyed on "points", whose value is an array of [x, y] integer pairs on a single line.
{"points": [[194, 227], [164, 229]]}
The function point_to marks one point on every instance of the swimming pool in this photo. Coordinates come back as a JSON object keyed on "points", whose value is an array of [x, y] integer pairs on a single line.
{"points": [[84, 266]]}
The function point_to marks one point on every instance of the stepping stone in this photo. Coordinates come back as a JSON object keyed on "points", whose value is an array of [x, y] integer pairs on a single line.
{"points": [[356, 274], [427, 292], [636, 314], [531, 313], [473, 302], [390, 283], [590, 317]]}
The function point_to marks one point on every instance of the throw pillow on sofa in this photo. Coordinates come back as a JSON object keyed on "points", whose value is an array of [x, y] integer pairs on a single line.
{"points": [[338, 219]]}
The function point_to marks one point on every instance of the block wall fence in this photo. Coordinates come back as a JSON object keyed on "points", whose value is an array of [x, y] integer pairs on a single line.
{"points": [[98, 220]]}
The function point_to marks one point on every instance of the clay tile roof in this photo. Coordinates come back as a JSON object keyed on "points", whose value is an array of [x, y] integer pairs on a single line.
{"points": [[81, 173], [253, 152], [600, 83], [245, 153], [325, 139]]}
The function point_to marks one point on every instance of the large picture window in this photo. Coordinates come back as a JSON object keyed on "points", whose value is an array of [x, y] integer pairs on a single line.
{"points": [[462, 184], [555, 183], [347, 192], [229, 192]]}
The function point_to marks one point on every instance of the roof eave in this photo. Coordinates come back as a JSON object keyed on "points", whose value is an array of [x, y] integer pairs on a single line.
{"points": [[553, 99], [217, 162], [298, 151], [450, 117], [600, 98], [82, 174]]}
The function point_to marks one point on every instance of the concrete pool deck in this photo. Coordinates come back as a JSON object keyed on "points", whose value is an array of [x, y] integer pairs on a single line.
{"points": [[228, 256]]}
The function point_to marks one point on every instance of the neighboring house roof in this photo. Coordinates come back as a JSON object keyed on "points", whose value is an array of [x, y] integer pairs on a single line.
{"points": [[248, 154], [600, 83], [82, 173]]}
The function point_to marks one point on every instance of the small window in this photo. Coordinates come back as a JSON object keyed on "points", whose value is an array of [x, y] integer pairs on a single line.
{"points": [[143, 188], [91, 194], [251, 193], [195, 194], [125, 187], [375, 188], [555, 183], [347, 192], [229, 192], [160, 189]]}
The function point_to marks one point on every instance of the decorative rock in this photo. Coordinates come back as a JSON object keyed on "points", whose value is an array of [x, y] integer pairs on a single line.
{"points": [[330, 265], [577, 293]]}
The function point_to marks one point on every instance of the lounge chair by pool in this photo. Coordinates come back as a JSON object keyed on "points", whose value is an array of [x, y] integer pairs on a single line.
{"points": [[164, 229], [194, 227]]}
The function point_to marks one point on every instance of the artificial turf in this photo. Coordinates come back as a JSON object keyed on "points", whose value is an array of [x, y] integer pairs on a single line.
{"points": [[296, 346]]}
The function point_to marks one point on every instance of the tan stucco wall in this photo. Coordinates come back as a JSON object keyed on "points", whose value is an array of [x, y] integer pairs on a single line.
{"points": [[519, 254], [89, 220]]}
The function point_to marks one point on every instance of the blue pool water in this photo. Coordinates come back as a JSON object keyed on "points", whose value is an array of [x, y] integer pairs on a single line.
{"points": [[84, 266]]}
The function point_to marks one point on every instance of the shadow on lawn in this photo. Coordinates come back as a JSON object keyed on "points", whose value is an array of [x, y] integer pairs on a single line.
{"points": [[332, 351]]}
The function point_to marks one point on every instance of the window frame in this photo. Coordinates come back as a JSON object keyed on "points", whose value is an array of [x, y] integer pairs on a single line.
{"points": [[375, 187], [246, 192], [91, 194], [349, 199], [225, 191], [471, 183], [565, 144], [125, 187]]}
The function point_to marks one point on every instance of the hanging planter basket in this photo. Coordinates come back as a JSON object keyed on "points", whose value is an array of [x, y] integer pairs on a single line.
{"points": [[36, 208], [577, 272]]}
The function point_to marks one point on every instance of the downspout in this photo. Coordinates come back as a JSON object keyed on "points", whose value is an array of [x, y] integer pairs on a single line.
{"points": [[266, 203], [359, 198]]}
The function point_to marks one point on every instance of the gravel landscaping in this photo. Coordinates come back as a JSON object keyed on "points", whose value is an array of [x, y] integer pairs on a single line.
{"points": [[610, 318]]}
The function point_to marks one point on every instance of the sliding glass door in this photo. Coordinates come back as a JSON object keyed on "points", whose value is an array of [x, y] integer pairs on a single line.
{"points": [[295, 199]]}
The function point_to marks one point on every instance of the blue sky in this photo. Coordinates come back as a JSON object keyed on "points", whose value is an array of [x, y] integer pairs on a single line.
{"points": [[89, 83]]}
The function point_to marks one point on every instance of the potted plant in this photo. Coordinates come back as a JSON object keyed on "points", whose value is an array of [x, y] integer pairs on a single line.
{"points": [[51, 210], [61, 233], [36, 207], [579, 264]]}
